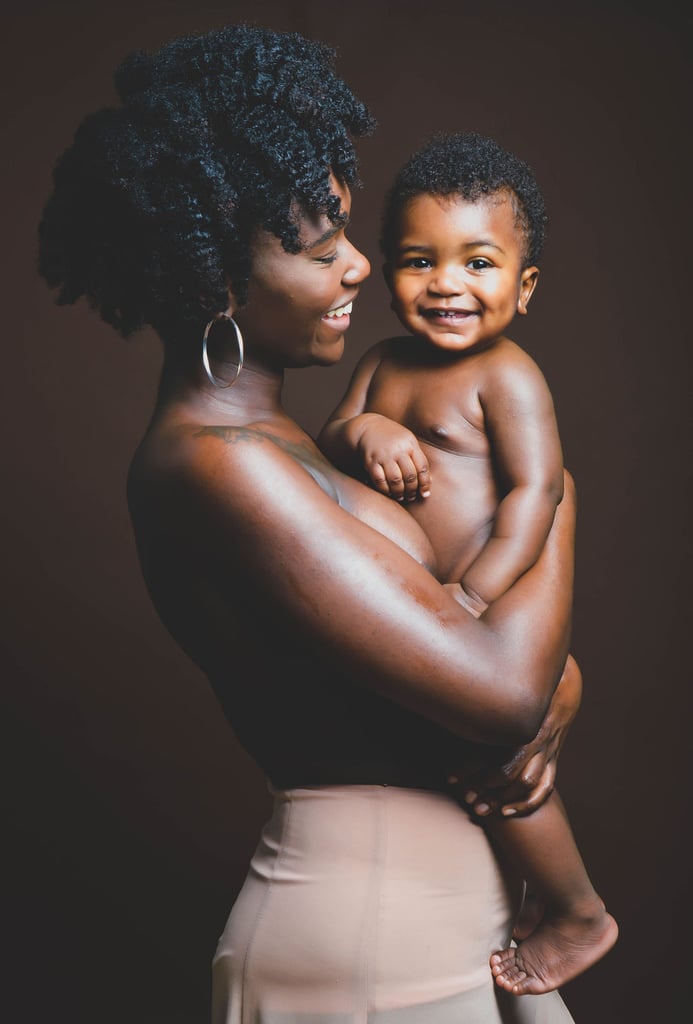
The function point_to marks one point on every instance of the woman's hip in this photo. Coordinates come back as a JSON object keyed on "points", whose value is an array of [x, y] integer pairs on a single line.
{"points": [[391, 895]]}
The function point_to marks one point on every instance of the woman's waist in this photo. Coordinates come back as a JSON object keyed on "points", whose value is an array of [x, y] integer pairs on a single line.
{"points": [[303, 775], [329, 734], [321, 832]]}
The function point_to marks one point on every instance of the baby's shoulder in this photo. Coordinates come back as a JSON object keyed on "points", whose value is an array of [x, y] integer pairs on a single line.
{"points": [[508, 367], [506, 353]]}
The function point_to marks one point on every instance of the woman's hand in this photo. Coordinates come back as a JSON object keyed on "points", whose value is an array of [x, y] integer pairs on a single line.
{"points": [[526, 777]]}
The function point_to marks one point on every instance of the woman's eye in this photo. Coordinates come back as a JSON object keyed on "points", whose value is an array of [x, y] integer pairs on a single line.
{"points": [[327, 259]]}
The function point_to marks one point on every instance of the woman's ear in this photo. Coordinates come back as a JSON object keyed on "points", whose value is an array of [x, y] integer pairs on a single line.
{"points": [[528, 282], [233, 304]]}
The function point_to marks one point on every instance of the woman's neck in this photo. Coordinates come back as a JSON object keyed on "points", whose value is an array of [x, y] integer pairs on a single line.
{"points": [[255, 395]]}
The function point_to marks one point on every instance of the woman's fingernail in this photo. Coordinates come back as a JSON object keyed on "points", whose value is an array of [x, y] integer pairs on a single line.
{"points": [[452, 780], [508, 811], [482, 808], [470, 797]]}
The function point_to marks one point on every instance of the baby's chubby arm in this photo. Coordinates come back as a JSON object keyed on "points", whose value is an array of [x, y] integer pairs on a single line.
{"points": [[521, 425], [355, 440]]}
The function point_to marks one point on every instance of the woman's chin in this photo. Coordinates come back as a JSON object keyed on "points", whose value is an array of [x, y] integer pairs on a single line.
{"points": [[327, 355]]}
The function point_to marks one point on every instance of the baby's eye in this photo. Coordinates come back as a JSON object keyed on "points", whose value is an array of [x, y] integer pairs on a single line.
{"points": [[417, 262], [479, 263]]}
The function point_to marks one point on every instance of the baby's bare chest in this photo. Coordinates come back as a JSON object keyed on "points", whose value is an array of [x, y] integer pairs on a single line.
{"points": [[440, 405]]}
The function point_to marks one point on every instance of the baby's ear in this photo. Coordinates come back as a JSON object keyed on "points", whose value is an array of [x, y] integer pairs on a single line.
{"points": [[528, 282]]}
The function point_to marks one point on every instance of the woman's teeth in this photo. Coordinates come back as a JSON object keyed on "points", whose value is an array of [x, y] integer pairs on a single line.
{"points": [[340, 311]]}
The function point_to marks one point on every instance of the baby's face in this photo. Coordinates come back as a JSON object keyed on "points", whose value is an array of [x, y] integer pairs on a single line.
{"points": [[456, 275]]}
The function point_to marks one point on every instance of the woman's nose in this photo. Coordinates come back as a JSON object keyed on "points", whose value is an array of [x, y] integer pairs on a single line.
{"points": [[358, 267]]}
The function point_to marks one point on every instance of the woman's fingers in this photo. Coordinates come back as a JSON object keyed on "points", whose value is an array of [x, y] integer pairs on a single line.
{"points": [[539, 793], [516, 785]]}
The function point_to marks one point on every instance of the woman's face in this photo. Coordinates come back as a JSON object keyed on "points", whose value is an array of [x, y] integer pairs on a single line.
{"points": [[299, 305]]}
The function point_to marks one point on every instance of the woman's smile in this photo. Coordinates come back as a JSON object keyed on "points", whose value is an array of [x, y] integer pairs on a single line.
{"points": [[299, 304], [340, 317]]}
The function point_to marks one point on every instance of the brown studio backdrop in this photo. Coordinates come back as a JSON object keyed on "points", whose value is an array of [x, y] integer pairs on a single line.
{"points": [[131, 811]]}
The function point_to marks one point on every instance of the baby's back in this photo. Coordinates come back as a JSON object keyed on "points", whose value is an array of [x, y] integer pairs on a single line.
{"points": [[438, 400]]}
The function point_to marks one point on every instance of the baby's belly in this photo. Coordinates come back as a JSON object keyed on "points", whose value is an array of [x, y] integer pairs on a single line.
{"points": [[458, 515]]}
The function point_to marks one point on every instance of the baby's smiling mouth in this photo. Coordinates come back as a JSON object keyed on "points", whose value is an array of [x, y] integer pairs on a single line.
{"points": [[439, 313]]}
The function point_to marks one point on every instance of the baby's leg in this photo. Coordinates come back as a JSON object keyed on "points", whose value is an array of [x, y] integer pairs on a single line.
{"points": [[575, 930]]}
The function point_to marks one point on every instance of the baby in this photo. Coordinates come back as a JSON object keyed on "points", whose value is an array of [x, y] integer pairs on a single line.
{"points": [[457, 421]]}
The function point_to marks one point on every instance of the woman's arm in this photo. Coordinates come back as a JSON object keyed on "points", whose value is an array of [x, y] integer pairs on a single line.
{"points": [[521, 779], [361, 603]]}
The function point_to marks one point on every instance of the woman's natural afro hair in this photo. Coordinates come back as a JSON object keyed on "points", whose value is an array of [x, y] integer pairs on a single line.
{"points": [[471, 166], [218, 134]]}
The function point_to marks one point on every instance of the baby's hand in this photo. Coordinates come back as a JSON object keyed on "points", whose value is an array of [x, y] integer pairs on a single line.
{"points": [[394, 460]]}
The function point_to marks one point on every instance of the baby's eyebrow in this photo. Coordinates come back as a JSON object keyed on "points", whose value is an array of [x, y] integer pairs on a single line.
{"points": [[477, 243], [485, 242]]}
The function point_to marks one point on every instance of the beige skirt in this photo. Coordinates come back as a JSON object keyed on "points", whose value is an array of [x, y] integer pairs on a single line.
{"points": [[370, 905]]}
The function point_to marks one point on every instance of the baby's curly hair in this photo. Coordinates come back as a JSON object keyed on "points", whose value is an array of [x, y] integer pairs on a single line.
{"points": [[218, 134], [471, 166]]}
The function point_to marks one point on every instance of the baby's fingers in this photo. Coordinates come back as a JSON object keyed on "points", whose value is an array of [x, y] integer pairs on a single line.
{"points": [[380, 477], [389, 477], [410, 476], [407, 476], [403, 474], [423, 475]]}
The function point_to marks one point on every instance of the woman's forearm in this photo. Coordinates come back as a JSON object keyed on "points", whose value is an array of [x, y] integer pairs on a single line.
{"points": [[489, 680]]}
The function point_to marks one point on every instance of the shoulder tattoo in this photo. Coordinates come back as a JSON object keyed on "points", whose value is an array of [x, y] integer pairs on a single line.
{"points": [[303, 451]]}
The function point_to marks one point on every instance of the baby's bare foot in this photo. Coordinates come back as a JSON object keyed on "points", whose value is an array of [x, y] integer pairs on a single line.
{"points": [[559, 949]]}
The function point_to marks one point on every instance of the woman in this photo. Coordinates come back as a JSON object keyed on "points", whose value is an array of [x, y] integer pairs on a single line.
{"points": [[212, 205]]}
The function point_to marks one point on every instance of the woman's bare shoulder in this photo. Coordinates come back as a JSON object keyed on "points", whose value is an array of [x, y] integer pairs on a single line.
{"points": [[235, 465]]}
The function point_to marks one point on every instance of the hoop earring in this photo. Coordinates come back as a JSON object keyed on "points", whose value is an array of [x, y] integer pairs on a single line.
{"points": [[205, 357]]}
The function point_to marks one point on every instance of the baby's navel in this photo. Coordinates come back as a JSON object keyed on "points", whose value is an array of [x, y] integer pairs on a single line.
{"points": [[438, 431]]}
